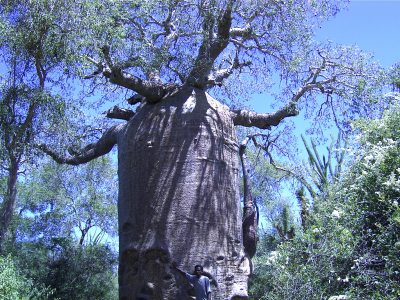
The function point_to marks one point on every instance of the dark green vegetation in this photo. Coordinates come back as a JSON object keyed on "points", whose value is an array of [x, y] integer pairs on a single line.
{"points": [[55, 220], [56, 247]]}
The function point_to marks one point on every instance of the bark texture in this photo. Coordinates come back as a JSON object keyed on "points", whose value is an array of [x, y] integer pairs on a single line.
{"points": [[179, 199]]}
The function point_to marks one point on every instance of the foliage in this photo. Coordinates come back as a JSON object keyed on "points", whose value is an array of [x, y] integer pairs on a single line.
{"points": [[352, 246], [14, 285], [394, 77], [167, 36], [71, 270], [35, 102], [322, 171], [59, 232], [57, 200], [260, 282]]}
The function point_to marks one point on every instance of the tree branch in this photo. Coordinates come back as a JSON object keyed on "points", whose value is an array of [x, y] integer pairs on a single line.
{"points": [[263, 120], [218, 76], [242, 32], [250, 221], [154, 91], [266, 148], [90, 152], [210, 49]]}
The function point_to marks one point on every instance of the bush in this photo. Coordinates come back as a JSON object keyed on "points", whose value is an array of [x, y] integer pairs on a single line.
{"points": [[14, 285], [71, 270], [351, 250]]}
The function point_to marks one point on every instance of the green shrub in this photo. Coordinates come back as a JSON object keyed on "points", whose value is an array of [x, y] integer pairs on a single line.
{"points": [[15, 286]]}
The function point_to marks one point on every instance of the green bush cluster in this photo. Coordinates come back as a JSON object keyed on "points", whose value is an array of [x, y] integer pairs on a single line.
{"points": [[15, 286], [350, 248]]}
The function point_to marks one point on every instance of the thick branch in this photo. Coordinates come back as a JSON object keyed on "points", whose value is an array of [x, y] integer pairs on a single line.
{"points": [[8, 201], [263, 120], [266, 120], [90, 152], [210, 49], [170, 29], [218, 76], [154, 91], [22, 130], [242, 32]]}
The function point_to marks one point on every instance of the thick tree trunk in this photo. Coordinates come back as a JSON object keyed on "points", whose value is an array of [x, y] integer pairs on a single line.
{"points": [[179, 199], [9, 201]]}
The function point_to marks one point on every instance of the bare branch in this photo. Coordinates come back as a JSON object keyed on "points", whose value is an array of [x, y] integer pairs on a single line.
{"points": [[218, 76], [263, 120], [5, 167], [269, 143], [135, 99], [152, 89], [242, 32], [90, 152], [106, 51]]}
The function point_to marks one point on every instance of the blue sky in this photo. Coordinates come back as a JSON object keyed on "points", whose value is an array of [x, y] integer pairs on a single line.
{"points": [[374, 26]]}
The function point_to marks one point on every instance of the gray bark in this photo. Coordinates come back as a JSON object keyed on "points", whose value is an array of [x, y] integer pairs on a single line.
{"points": [[263, 120], [178, 168]]}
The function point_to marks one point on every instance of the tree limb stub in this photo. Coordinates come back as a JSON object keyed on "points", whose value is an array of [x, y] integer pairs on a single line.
{"points": [[135, 99], [119, 113], [90, 152]]}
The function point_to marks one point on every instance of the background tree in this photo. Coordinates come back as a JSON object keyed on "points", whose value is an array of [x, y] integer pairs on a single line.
{"points": [[69, 270], [65, 200], [36, 52], [61, 234], [14, 285]]}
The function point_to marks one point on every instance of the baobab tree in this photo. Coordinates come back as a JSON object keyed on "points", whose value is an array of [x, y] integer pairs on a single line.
{"points": [[178, 153]]}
